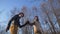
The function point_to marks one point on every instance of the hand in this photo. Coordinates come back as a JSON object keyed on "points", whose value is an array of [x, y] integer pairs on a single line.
{"points": [[27, 22], [6, 30]]}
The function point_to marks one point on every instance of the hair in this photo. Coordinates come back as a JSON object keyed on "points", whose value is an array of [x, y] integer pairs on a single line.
{"points": [[21, 13], [37, 18]]}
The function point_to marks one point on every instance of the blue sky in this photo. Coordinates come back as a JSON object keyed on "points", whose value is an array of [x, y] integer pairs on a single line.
{"points": [[7, 5]]}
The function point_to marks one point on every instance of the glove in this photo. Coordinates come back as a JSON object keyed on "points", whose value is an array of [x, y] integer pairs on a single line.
{"points": [[27, 22], [6, 30]]}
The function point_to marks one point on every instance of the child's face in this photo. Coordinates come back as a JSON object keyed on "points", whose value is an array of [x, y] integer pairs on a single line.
{"points": [[21, 15], [35, 18]]}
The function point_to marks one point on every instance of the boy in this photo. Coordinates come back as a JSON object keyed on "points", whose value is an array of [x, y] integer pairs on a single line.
{"points": [[15, 23]]}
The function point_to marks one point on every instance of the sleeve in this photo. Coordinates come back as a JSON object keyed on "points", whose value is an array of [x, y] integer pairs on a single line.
{"points": [[23, 24], [9, 24], [33, 23]]}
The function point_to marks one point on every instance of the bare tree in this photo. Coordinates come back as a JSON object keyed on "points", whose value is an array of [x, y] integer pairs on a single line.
{"points": [[55, 11], [14, 11], [26, 29], [44, 8]]}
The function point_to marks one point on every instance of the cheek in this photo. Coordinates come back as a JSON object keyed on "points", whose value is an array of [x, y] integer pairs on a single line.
{"points": [[22, 15], [19, 15]]}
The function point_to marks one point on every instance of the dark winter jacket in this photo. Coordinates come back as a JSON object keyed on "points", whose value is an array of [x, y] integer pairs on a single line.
{"points": [[16, 22]]}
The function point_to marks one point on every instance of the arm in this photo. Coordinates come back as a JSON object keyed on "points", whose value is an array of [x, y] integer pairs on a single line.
{"points": [[31, 24], [9, 25], [27, 22]]}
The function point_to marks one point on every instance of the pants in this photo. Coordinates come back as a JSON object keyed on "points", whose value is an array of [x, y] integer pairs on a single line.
{"points": [[13, 29]]}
